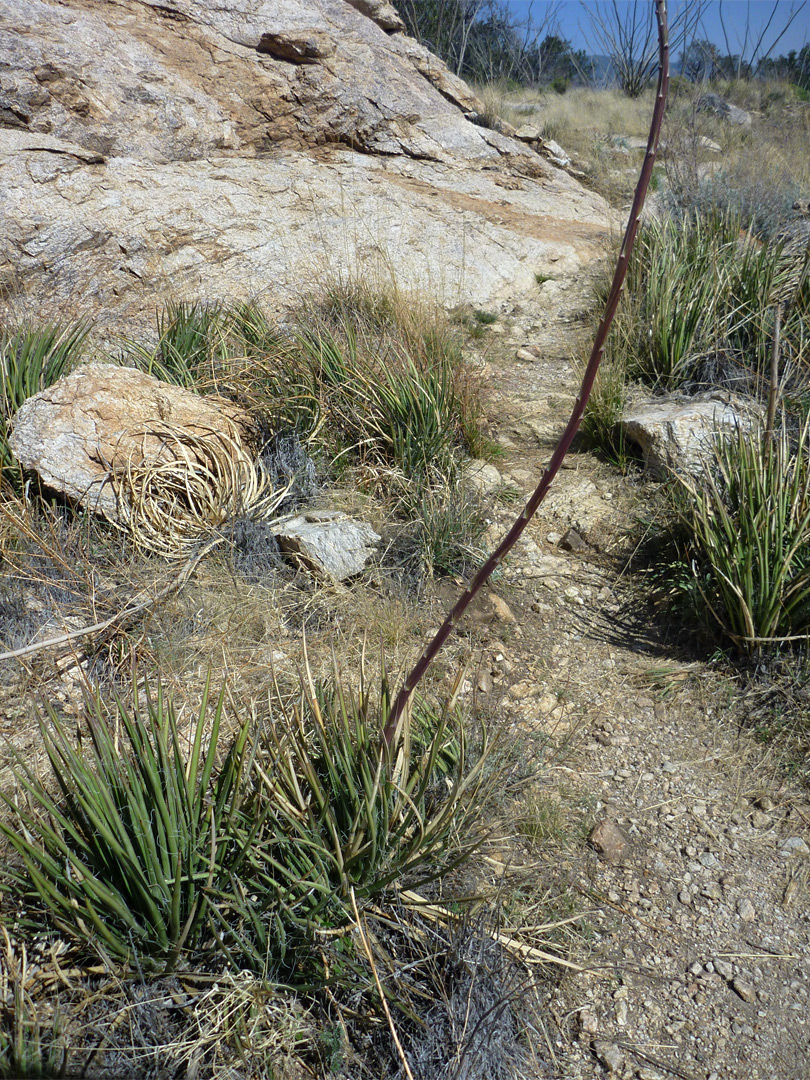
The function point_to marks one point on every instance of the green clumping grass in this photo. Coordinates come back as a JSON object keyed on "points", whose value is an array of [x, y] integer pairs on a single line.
{"points": [[154, 848], [30, 1048], [126, 853], [743, 529], [345, 819], [701, 303], [445, 535], [33, 358], [601, 429], [368, 374]]}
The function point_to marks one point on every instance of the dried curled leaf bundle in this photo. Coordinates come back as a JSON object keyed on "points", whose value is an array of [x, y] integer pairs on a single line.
{"points": [[171, 498]]}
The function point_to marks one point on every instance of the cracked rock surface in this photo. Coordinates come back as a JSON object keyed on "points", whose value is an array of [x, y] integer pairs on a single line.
{"points": [[192, 148]]}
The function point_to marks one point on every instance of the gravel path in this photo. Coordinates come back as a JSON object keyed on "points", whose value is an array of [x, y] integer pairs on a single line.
{"points": [[699, 953]]}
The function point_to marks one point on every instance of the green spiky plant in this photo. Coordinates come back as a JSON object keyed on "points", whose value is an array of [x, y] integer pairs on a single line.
{"points": [[191, 343], [340, 815], [139, 832], [746, 526], [33, 358]]}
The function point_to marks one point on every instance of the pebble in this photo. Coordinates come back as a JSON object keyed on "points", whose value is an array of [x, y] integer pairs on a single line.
{"points": [[744, 989], [609, 841], [588, 1022], [609, 1055], [795, 845], [745, 909], [723, 968]]}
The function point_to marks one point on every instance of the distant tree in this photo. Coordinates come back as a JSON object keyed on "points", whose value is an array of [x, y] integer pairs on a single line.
{"points": [[699, 61], [756, 45], [482, 40], [627, 35], [794, 67], [557, 62]]}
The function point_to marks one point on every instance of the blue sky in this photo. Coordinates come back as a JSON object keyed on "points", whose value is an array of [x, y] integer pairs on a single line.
{"points": [[572, 20]]}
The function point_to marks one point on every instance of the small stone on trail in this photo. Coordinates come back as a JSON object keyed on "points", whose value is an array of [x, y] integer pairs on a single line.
{"points": [[795, 845], [745, 909], [501, 609], [609, 1055], [724, 969], [526, 356], [572, 541], [588, 1022], [484, 681], [744, 989], [609, 841]]}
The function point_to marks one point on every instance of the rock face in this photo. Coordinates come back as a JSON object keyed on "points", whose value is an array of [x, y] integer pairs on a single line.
{"points": [[193, 148], [677, 435], [71, 433], [328, 542]]}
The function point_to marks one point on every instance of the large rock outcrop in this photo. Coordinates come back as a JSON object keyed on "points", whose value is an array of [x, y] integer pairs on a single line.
{"points": [[190, 147]]}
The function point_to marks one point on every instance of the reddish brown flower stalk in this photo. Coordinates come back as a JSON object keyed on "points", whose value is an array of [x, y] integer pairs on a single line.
{"points": [[511, 538]]}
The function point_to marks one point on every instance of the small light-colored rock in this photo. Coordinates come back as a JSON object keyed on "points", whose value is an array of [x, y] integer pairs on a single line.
{"points": [[556, 153], [677, 434], [609, 1055], [744, 989], [724, 969], [746, 910], [483, 682], [795, 845], [588, 1022], [329, 543], [501, 609], [609, 841], [480, 478], [572, 541], [529, 133]]}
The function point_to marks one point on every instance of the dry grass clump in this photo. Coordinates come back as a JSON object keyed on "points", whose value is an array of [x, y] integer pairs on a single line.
{"points": [[192, 486]]}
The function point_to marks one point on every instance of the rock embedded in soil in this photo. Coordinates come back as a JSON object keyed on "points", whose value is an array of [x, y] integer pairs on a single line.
{"points": [[678, 434], [609, 841], [329, 543]]}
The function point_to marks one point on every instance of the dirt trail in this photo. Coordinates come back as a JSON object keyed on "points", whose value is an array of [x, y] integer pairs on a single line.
{"points": [[699, 946]]}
